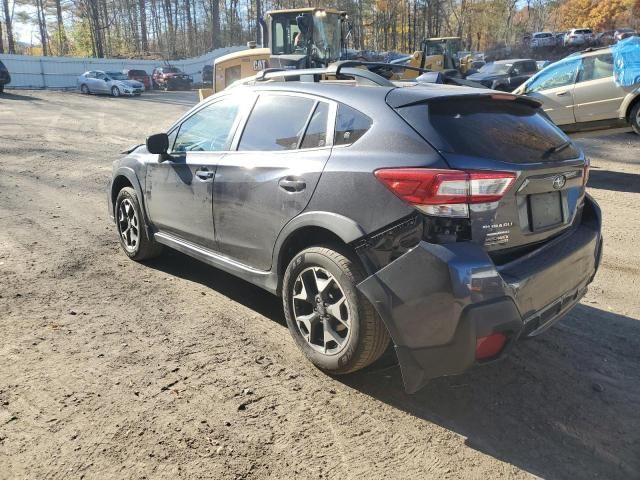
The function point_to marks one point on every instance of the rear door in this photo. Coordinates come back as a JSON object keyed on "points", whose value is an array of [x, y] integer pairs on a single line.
{"points": [[553, 87], [280, 155], [596, 95], [179, 190]]}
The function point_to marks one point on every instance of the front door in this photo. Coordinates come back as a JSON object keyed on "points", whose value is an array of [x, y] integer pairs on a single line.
{"points": [[596, 95], [272, 175], [554, 88], [179, 190]]}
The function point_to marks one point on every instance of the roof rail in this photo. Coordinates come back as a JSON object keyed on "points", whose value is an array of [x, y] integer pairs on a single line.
{"points": [[360, 63], [314, 74]]}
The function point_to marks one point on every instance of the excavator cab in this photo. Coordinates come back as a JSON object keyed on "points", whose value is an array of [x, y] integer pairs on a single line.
{"points": [[292, 39], [305, 37]]}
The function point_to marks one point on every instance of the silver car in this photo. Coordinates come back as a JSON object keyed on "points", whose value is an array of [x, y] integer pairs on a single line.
{"points": [[112, 83], [579, 93]]}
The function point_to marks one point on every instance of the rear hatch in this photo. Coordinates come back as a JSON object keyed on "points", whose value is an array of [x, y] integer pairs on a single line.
{"points": [[498, 132]]}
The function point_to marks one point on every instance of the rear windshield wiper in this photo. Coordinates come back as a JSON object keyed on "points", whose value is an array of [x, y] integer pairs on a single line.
{"points": [[556, 149]]}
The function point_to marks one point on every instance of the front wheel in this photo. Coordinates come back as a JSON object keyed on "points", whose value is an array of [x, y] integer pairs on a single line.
{"points": [[332, 323], [634, 118], [115, 91], [84, 89], [132, 230]]}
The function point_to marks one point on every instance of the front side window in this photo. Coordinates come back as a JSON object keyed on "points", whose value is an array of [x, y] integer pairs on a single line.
{"points": [[209, 129], [561, 75], [350, 125], [277, 122], [596, 67]]}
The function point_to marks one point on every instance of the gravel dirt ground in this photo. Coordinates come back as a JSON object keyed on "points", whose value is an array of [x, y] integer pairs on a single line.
{"points": [[172, 369]]}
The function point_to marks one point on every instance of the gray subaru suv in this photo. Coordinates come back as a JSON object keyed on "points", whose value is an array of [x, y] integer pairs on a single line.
{"points": [[450, 221]]}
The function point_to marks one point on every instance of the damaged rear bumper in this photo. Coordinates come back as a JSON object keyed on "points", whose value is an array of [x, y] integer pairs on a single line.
{"points": [[437, 300]]}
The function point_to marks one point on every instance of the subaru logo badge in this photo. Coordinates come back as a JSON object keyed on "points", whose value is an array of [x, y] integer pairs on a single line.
{"points": [[559, 181]]}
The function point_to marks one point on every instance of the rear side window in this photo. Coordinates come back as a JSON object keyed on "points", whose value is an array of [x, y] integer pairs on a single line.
{"points": [[507, 131], [277, 122], [350, 125], [316, 134]]}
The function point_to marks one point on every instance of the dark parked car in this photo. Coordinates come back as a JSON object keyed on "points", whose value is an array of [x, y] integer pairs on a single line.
{"points": [[141, 76], [448, 220], [171, 78], [5, 77], [505, 75]]}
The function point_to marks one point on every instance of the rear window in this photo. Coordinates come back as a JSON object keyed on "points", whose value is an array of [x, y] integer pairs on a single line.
{"points": [[137, 72], [507, 131]]}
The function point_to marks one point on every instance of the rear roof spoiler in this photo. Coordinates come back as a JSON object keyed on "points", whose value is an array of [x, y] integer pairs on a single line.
{"points": [[412, 96]]}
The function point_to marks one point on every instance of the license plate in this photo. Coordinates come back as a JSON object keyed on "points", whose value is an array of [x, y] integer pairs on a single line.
{"points": [[546, 210]]}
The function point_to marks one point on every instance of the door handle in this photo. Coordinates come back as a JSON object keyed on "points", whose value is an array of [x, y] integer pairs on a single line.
{"points": [[562, 94], [292, 184], [204, 174]]}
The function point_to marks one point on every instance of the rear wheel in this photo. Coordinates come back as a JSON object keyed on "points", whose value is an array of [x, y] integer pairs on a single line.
{"points": [[332, 323], [132, 229], [634, 117], [115, 91]]}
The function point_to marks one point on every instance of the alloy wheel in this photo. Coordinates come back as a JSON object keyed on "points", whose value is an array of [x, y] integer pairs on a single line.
{"points": [[128, 225], [115, 91], [321, 310]]}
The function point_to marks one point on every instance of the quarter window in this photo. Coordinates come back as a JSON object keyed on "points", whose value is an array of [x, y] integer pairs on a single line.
{"points": [[560, 75], [277, 122], [595, 67], [209, 129], [350, 125]]}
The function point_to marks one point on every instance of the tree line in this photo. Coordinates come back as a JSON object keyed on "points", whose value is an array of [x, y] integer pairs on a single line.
{"points": [[173, 29]]}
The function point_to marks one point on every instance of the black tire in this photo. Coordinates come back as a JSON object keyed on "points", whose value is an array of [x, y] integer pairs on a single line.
{"points": [[634, 117], [1, 89], [145, 247], [84, 89], [115, 91], [368, 337]]}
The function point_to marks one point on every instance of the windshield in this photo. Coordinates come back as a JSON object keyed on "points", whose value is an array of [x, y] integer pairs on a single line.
{"points": [[327, 36], [116, 75], [496, 68]]}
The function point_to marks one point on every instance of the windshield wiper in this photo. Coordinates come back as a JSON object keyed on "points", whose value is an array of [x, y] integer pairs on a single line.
{"points": [[556, 149]]}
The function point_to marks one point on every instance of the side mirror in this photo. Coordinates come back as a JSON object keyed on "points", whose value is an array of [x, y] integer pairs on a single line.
{"points": [[158, 144]]}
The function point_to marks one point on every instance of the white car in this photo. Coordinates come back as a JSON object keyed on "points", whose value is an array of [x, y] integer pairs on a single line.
{"points": [[579, 93], [543, 40], [578, 37], [113, 83]]}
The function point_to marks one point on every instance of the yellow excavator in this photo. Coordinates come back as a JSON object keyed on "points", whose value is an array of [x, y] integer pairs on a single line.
{"points": [[291, 39], [439, 54]]}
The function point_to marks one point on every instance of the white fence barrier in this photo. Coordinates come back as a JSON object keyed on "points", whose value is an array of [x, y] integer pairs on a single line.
{"points": [[61, 72]]}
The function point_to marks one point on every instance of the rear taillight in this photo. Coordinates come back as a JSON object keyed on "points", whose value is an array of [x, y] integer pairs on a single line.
{"points": [[445, 193], [490, 346]]}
